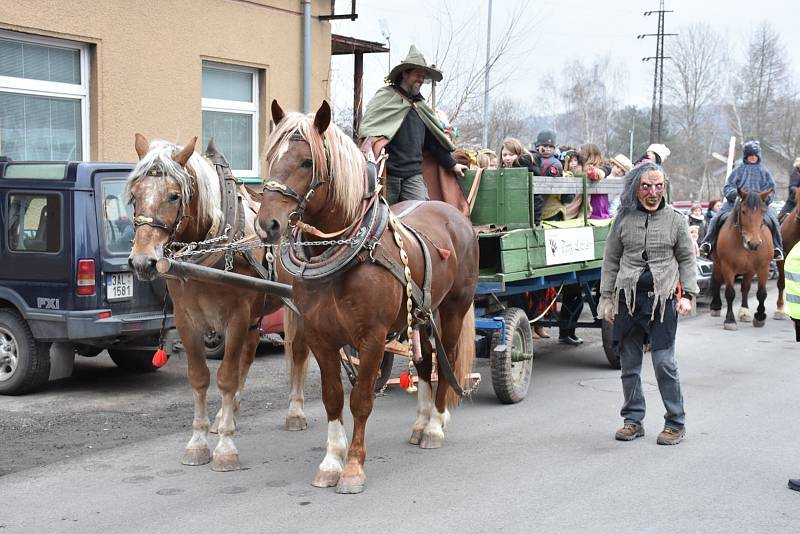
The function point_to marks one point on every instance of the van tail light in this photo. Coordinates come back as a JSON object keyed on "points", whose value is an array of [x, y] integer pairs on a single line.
{"points": [[86, 283]]}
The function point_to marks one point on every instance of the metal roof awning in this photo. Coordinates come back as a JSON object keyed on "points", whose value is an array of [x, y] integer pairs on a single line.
{"points": [[343, 45]]}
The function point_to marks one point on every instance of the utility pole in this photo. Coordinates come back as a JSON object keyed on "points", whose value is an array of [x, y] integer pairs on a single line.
{"points": [[658, 72], [485, 143]]}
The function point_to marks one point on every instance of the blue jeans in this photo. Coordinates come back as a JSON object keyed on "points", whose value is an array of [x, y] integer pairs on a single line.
{"points": [[666, 368], [400, 189]]}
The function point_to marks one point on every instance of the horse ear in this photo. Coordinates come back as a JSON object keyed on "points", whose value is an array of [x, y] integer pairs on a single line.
{"points": [[765, 194], [183, 156], [142, 145], [742, 193], [322, 118], [277, 112]]}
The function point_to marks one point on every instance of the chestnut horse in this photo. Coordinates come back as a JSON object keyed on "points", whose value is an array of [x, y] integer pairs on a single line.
{"points": [[317, 176], [790, 232], [177, 197], [744, 247]]}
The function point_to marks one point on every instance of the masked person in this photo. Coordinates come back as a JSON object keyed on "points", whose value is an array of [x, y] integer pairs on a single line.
{"points": [[754, 177], [648, 253], [399, 114]]}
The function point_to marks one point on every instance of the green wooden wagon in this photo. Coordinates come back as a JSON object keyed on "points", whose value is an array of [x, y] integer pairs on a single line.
{"points": [[516, 258]]}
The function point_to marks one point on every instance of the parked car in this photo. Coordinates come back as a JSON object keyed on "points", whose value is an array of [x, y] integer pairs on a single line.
{"points": [[65, 283]]}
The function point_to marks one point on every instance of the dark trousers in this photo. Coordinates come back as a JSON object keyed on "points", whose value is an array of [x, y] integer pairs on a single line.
{"points": [[571, 308]]}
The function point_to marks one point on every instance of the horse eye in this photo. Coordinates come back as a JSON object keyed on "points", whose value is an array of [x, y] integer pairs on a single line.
{"points": [[173, 197], [307, 164]]}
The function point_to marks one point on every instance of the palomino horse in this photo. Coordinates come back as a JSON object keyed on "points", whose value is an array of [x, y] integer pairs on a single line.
{"points": [[790, 232], [177, 198], [744, 247], [317, 182]]}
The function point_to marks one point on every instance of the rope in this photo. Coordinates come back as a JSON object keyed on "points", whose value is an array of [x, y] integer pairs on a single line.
{"points": [[549, 305]]}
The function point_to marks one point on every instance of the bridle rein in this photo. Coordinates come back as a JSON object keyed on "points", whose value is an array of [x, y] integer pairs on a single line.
{"points": [[146, 220], [295, 217]]}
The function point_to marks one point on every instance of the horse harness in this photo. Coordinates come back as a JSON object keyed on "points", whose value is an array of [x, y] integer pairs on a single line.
{"points": [[361, 245]]}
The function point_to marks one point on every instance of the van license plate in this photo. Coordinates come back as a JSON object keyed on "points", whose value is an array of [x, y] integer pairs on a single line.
{"points": [[119, 286]]}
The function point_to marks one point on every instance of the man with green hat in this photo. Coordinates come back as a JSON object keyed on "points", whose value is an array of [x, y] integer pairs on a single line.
{"points": [[399, 114]]}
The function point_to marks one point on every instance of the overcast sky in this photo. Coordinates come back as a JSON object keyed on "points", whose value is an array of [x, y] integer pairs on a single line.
{"points": [[557, 31]]}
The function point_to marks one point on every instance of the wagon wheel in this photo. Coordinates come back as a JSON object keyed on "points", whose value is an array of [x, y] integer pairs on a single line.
{"points": [[611, 354], [350, 366], [512, 362]]}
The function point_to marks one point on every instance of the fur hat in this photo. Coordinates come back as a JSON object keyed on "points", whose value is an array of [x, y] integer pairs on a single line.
{"points": [[415, 60], [546, 137], [622, 161], [662, 151], [752, 148]]}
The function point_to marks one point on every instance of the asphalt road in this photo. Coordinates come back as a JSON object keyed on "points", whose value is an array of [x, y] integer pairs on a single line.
{"points": [[547, 464]]}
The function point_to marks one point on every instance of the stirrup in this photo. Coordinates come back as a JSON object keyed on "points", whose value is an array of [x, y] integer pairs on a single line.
{"points": [[778, 255]]}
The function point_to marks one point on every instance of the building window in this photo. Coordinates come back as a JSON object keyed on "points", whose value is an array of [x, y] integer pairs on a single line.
{"points": [[34, 222], [230, 115], [44, 93]]}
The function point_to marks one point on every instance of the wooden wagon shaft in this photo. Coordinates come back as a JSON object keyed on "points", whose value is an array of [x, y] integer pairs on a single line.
{"points": [[189, 271]]}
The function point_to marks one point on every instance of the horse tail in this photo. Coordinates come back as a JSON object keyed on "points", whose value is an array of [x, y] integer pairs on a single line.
{"points": [[464, 356]]}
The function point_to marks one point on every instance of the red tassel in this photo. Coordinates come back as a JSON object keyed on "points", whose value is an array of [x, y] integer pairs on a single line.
{"points": [[405, 380], [444, 253], [160, 358]]}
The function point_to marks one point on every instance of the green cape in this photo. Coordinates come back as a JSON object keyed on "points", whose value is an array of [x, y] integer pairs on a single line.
{"points": [[386, 111]]}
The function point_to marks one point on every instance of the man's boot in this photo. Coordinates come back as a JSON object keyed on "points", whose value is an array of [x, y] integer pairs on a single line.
{"points": [[705, 248], [671, 436], [629, 432], [794, 484], [778, 255]]}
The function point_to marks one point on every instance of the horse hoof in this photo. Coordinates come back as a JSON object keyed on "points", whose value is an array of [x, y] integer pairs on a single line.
{"points": [[349, 485], [296, 423], [780, 316], [416, 436], [730, 326], [196, 456], [225, 462], [214, 428], [326, 479], [431, 441], [715, 313], [745, 315], [757, 323]]}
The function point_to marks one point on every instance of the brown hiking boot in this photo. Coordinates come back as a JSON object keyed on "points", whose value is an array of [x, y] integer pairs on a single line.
{"points": [[671, 436], [629, 432]]}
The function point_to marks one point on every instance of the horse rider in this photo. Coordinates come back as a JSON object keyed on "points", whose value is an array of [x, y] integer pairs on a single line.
{"points": [[794, 183], [754, 177], [399, 113]]}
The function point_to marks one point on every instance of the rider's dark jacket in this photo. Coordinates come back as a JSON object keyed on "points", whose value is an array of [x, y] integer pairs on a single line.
{"points": [[749, 177]]}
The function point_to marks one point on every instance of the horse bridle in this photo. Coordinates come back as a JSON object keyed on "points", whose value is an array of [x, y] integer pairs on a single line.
{"points": [[302, 200], [155, 222]]}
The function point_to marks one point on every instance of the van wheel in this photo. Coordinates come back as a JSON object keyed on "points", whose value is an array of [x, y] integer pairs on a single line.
{"points": [[140, 361], [24, 362]]}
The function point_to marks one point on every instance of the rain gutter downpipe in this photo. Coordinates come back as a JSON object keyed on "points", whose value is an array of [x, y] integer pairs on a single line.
{"points": [[306, 55]]}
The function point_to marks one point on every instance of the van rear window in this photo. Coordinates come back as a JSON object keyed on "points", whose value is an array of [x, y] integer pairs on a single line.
{"points": [[35, 171], [117, 218]]}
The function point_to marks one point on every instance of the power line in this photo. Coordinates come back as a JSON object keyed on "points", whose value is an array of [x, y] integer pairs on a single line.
{"points": [[658, 72]]}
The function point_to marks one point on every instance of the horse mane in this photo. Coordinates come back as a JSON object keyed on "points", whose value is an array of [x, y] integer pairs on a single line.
{"points": [[753, 201], [209, 196], [336, 153]]}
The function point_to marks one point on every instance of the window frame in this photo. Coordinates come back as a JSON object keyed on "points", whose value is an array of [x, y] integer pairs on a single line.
{"points": [[238, 107], [10, 84]]}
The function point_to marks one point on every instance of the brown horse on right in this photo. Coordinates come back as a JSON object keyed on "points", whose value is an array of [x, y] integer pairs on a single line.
{"points": [[790, 232], [744, 247]]}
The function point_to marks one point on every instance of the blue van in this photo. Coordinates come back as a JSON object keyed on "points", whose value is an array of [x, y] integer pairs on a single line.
{"points": [[65, 283]]}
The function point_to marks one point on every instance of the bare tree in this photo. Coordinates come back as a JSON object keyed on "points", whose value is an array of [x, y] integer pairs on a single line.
{"points": [[462, 57], [506, 119], [761, 81]]}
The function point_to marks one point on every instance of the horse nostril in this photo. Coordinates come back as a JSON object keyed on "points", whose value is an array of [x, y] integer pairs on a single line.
{"points": [[151, 263], [130, 262]]}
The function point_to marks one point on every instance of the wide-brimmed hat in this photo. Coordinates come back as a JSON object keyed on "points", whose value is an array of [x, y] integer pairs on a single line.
{"points": [[622, 161], [415, 60]]}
